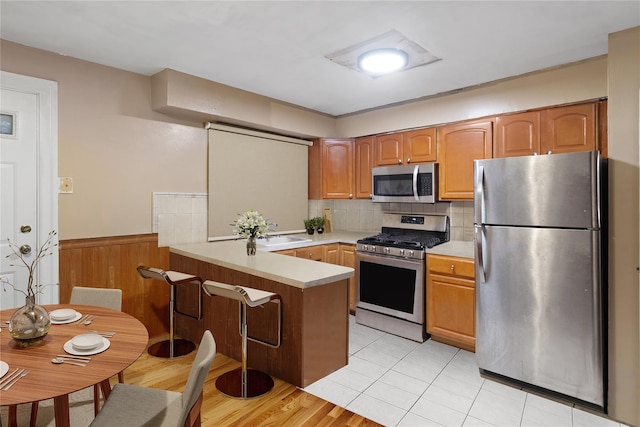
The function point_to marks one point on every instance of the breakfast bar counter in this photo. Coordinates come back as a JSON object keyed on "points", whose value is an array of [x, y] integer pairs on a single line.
{"points": [[314, 336]]}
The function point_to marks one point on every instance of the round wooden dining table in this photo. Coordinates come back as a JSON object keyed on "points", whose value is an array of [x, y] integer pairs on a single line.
{"points": [[46, 380]]}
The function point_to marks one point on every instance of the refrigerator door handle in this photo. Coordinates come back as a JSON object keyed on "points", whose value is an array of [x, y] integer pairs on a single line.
{"points": [[415, 183], [479, 196], [479, 238]]}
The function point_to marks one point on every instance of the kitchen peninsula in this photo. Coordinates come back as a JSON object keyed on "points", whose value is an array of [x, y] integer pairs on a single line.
{"points": [[314, 339]]}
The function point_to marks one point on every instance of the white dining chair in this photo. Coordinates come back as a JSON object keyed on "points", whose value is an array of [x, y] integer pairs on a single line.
{"points": [[131, 405], [99, 297]]}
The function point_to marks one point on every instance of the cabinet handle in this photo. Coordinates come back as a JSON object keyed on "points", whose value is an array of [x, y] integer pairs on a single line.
{"points": [[535, 153], [399, 161], [408, 159], [453, 267], [549, 152], [350, 196]]}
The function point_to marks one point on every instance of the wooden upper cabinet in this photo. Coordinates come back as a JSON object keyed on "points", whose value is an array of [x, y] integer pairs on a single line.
{"points": [[337, 168], [401, 148], [458, 146], [517, 135], [569, 129], [331, 166], [420, 146], [388, 149], [554, 130], [364, 163]]}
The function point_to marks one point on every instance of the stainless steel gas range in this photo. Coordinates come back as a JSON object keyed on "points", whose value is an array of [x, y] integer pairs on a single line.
{"points": [[391, 273]]}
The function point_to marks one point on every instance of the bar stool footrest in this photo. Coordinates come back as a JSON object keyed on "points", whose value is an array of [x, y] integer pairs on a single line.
{"points": [[258, 383], [181, 347]]}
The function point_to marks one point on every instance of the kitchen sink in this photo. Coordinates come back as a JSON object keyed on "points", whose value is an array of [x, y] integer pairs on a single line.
{"points": [[281, 240]]}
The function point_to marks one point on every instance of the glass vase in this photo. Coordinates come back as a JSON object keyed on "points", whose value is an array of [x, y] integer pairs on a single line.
{"points": [[30, 323], [251, 246]]}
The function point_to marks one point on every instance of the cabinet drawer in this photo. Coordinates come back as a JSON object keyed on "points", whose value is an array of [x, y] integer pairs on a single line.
{"points": [[311, 252], [454, 266]]}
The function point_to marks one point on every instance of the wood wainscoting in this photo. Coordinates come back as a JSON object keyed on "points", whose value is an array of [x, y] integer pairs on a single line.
{"points": [[111, 262]]}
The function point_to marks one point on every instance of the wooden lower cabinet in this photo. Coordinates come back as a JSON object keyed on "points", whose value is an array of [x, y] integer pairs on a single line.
{"points": [[310, 252], [331, 253], [341, 254], [450, 300], [348, 259]]}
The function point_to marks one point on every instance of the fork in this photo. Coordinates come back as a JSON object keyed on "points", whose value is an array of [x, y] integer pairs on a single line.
{"points": [[82, 319], [89, 320], [15, 380], [104, 334], [9, 377]]}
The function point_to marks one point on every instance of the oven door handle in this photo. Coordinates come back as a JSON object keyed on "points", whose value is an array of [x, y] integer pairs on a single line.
{"points": [[416, 169]]}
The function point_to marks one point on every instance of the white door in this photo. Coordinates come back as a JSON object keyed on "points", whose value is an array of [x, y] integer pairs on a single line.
{"points": [[28, 184]]}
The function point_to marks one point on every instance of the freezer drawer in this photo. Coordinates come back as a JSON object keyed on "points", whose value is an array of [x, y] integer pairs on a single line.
{"points": [[538, 307], [560, 190]]}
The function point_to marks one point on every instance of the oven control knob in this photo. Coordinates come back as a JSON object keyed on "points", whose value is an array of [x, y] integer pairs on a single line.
{"points": [[411, 253], [387, 250], [401, 252], [373, 248]]}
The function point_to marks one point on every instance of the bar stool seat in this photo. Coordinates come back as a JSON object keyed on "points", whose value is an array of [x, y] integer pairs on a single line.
{"points": [[245, 383], [172, 347]]}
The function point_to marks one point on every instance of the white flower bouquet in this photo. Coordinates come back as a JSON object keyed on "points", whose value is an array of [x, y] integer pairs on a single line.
{"points": [[251, 224]]}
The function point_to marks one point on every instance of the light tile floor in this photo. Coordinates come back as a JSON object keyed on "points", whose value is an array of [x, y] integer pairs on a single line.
{"points": [[398, 382]]}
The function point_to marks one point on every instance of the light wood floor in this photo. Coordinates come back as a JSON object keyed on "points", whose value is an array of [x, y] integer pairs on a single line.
{"points": [[285, 405]]}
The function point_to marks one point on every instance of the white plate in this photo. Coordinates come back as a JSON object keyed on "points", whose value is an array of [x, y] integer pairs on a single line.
{"points": [[62, 314], [86, 341], [69, 348], [62, 322], [4, 368]]}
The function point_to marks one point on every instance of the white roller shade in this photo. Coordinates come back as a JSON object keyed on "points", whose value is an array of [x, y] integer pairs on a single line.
{"points": [[256, 170]]}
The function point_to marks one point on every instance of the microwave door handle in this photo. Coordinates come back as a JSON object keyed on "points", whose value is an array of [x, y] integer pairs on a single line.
{"points": [[416, 169]]}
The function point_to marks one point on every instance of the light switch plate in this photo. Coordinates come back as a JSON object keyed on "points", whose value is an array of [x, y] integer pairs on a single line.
{"points": [[66, 185]]}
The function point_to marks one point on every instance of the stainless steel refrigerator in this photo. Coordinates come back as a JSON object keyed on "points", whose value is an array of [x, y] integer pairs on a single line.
{"points": [[540, 253]]}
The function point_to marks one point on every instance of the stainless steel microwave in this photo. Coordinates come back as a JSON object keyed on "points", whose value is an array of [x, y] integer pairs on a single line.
{"points": [[415, 183]]}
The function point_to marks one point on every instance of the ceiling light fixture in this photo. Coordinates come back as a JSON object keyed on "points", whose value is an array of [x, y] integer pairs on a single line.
{"points": [[411, 54], [383, 61]]}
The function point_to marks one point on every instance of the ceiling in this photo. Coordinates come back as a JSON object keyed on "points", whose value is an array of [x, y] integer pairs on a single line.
{"points": [[279, 48]]}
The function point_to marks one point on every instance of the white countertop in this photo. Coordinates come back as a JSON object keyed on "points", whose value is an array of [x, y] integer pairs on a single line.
{"points": [[298, 272], [457, 248]]}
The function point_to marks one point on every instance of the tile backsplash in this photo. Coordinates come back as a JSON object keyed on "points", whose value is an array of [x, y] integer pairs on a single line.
{"points": [[366, 216], [182, 217]]}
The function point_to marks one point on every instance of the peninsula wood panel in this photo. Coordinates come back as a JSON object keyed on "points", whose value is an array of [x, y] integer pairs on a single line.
{"points": [[111, 262], [314, 328]]}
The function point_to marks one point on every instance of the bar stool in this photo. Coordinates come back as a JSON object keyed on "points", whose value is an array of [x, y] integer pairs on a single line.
{"points": [[242, 382], [172, 347]]}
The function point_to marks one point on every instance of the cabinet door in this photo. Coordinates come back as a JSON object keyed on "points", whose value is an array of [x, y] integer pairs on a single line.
{"points": [[420, 146], [330, 253], [569, 129], [364, 163], [458, 146], [311, 252], [348, 259], [517, 135], [451, 309], [388, 149], [289, 252], [337, 169]]}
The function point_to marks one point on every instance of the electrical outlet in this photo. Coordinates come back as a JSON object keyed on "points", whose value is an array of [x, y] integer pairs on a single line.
{"points": [[66, 185]]}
